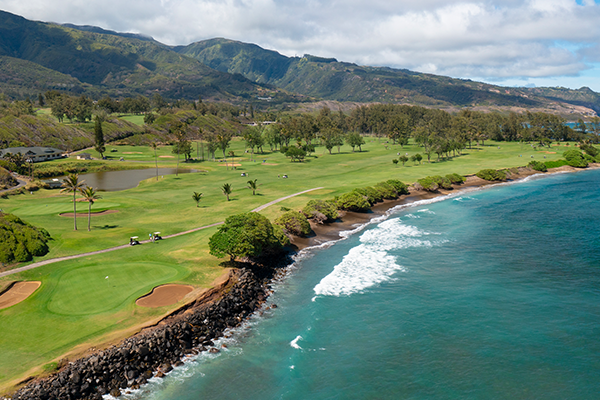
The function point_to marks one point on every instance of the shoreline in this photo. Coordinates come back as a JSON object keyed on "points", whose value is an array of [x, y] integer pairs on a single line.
{"points": [[209, 314], [349, 220]]}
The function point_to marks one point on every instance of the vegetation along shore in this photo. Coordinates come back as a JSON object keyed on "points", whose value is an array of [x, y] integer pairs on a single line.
{"points": [[306, 175]]}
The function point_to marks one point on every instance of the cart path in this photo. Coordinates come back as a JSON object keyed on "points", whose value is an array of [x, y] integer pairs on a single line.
{"points": [[124, 246]]}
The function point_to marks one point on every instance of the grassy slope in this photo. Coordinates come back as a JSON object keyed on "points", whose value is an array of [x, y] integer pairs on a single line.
{"points": [[77, 305]]}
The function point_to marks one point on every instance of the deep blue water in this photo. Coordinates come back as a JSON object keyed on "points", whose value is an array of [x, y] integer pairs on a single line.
{"points": [[490, 294]]}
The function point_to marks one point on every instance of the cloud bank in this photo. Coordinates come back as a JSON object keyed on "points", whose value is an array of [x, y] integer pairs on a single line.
{"points": [[493, 40]]}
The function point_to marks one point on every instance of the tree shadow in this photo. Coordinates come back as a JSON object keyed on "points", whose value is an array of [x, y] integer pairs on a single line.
{"points": [[106, 227]]}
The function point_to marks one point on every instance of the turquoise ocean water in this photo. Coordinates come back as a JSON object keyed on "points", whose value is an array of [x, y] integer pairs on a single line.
{"points": [[488, 294]]}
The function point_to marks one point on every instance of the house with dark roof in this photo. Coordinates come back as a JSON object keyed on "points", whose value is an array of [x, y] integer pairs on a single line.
{"points": [[35, 154]]}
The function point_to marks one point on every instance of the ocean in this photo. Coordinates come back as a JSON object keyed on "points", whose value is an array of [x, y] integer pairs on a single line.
{"points": [[485, 294]]}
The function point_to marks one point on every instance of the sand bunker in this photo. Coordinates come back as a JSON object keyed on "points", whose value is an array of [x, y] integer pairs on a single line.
{"points": [[84, 213], [18, 292], [230, 165], [164, 295], [266, 163], [166, 156]]}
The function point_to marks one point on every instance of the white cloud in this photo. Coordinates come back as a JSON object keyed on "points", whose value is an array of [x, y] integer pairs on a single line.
{"points": [[501, 39]]}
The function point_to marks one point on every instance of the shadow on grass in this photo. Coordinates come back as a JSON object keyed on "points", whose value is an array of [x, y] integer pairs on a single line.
{"points": [[106, 227]]}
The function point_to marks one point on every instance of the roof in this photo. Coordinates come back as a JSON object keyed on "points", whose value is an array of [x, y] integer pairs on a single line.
{"points": [[30, 150]]}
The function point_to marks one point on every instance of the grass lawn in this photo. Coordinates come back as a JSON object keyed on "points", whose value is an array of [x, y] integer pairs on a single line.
{"points": [[77, 305]]}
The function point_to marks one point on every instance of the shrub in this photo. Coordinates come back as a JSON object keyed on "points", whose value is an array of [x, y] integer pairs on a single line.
{"points": [[492, 175], [538, 166], [294, 223], [244, 235], [589, 149], [555, 164], [386, 190], [433, 183], [456, 178], [400, 187], [321, 210], [353, 201], [575, 158], [6, 179], [20, 241], [370, 194]]}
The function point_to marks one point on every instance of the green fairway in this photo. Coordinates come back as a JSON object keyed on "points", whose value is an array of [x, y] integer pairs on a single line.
{"points": [[77, 304], [101, 288]]}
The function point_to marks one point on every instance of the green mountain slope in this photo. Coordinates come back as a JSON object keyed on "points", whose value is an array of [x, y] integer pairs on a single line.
{"points": [[333, 80], [113, 63]]}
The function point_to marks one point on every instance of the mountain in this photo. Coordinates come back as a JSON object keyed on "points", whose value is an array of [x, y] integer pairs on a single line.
{"points": [[330, 79], [94, 61], [39, 56]]}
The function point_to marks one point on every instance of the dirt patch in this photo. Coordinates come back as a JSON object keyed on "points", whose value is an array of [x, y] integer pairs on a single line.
{"points": [[18, 292], [164, 295], [166, 156], [549, 152], [266, 163], [84, 213]]}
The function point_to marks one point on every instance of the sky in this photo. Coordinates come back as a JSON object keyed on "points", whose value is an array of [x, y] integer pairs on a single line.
{"points": [[504, 42]]}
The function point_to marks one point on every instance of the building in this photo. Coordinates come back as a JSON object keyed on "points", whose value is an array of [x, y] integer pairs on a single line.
{"points": [[84, 156], [35, 154]]}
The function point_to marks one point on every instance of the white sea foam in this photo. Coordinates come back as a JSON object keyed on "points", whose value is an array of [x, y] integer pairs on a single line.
{"points": [[294, 343], [369, 263], [360, 269]]}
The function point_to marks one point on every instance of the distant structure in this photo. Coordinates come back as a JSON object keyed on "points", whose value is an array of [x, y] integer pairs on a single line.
{"points": [[84, 156], [35, 154]]}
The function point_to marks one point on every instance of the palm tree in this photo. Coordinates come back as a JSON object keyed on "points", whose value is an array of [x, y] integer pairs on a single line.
{"points": [[253, 185], [72, 184], [226, 188], [197, 197], [154, 146], [90, 195]]}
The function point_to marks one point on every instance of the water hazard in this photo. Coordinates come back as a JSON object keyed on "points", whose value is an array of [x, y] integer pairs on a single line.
{"points": [[113, 181]]}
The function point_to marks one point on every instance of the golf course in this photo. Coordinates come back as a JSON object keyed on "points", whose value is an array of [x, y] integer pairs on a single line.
{"points": [[91, 301]]}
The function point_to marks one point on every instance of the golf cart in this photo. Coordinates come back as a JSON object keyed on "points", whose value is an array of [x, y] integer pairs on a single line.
{"points": [[156, 236], [133, 241]]}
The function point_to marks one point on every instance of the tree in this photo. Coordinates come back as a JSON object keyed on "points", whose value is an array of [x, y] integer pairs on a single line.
{"points": [[90, 195], [197, 197], [403, 159], [41, 100], [155, 146], [354, 139], [295, 153], [223, 138], [72, 184], [244, 235], [226, 188], [178, 128], [253, 185], [395, 161], [99, 138]]}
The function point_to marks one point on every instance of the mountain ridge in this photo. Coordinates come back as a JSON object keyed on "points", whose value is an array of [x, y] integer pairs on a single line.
{"points": [[90, 60]]}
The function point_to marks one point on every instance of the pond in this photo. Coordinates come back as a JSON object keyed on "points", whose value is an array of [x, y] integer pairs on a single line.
{"points": [[113, 181]]}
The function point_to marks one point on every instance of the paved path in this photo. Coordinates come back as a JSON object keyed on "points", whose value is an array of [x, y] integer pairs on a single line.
{"points": [[124, 246]]}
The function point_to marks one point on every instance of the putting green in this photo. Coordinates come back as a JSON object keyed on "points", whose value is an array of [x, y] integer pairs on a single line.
{"points": [[59, 208], [87, 290]]}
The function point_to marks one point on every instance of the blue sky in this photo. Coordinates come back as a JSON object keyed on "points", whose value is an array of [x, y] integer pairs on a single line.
{"points": [[505, 42]]}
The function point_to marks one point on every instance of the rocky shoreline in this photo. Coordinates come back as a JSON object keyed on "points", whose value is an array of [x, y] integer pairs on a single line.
{"points": [[156, 350], [192, 328]]}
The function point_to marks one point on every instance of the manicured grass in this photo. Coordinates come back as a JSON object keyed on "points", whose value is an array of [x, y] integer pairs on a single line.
{"points": [[136, 119], [76, 304]]}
